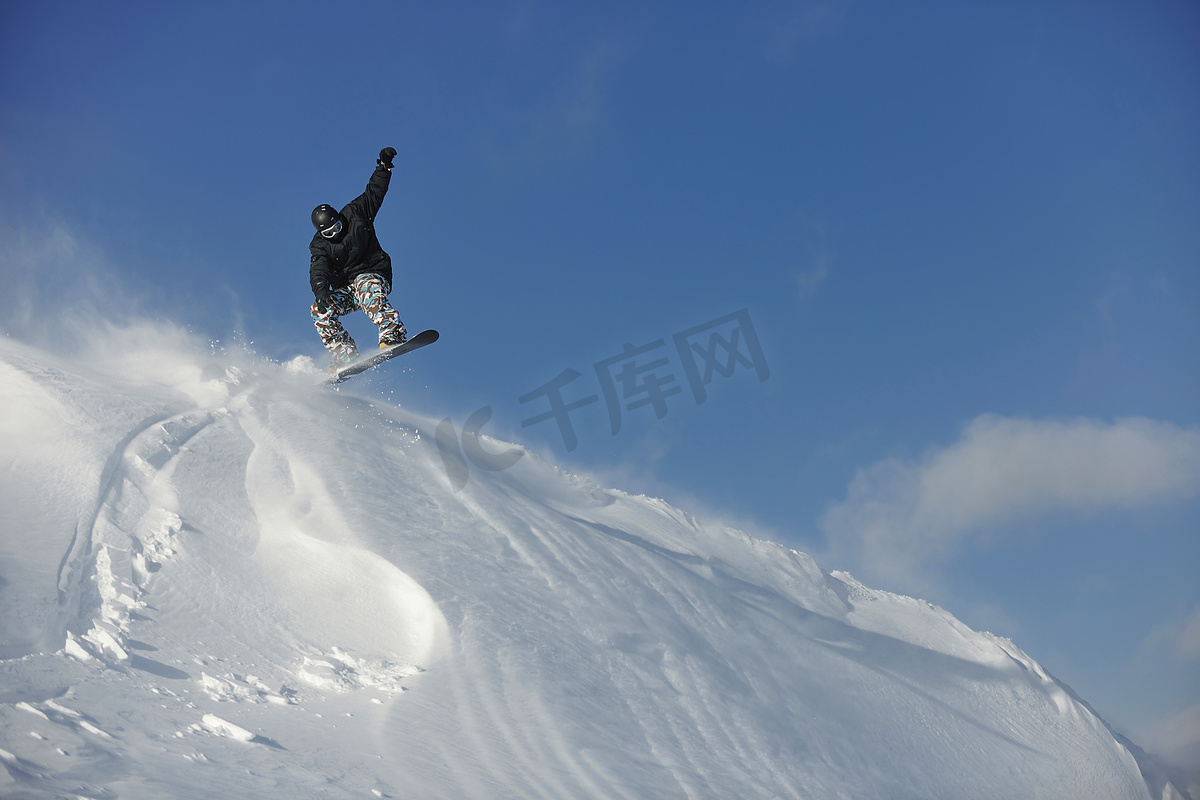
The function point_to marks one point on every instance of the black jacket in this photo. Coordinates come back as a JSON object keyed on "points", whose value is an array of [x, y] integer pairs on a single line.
{"points": [[337, 262]]}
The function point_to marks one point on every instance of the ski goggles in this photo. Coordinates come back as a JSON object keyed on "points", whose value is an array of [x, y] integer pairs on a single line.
{"points": [[333, 230]]}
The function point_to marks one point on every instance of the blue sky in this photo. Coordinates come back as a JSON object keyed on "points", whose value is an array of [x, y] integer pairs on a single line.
{"points": [[963, 234]]}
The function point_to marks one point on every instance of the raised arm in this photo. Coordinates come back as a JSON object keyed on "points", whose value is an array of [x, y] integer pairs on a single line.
{"points": [[367, 204]]}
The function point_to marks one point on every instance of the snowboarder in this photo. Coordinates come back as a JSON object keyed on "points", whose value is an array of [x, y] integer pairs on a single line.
{"points": [[349, 271]]}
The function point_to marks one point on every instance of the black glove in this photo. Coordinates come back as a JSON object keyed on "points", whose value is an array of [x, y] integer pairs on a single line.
{"points": [[385, 157], [323, 300]]}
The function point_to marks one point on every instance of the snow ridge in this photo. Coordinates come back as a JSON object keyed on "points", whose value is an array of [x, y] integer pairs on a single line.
{"points": [[221, 578]]}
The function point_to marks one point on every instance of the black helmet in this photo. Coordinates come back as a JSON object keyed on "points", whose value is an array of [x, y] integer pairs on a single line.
{"points": [[327, 220]]}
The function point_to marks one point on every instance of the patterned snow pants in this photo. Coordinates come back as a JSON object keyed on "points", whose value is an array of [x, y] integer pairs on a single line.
{"points": [[366, 293]]}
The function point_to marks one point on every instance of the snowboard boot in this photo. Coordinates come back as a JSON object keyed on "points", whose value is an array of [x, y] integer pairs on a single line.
{"points": [[393, 337]]}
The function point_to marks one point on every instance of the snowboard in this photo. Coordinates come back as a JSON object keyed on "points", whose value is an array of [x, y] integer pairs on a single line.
{"points": [[364, 363]]}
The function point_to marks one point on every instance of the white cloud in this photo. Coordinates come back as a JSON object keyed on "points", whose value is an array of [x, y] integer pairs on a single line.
{"points": [[568, 116], [1188, 648], [1175, 739], [807, 281], [787, 28], [899, 516]]}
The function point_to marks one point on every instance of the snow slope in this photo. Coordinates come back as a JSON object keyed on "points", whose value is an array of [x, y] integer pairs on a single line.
{"points": [[219, 579]]}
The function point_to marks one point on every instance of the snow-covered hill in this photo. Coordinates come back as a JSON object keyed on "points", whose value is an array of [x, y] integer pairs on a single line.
{"points": [[221, 580]]}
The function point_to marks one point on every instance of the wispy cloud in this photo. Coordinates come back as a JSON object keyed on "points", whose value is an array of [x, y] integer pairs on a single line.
{"points": [[1167, 656], [1176, 739], [1188, 646], [786, 28], [571, 111], [902, 516], [809, 280]]}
